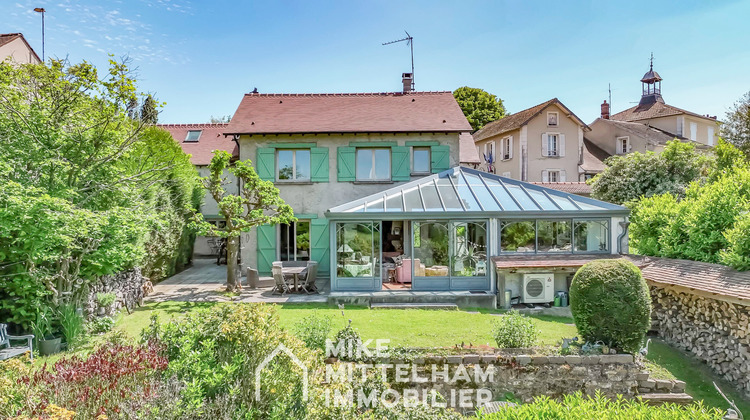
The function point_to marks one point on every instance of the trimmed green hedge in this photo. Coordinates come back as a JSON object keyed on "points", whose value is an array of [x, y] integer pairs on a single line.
{"points": [[610, 302]]}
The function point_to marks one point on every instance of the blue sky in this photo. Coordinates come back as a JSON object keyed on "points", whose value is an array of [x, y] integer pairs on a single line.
{"points": [[200, 56]]}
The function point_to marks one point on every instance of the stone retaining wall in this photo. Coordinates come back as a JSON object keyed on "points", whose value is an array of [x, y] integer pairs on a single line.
{"points": [[529, 376], [715, 331], [127, 286]]}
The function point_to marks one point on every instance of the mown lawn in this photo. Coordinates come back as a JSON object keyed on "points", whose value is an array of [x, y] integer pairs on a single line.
{"points": [[697, 375], [407, 327]]}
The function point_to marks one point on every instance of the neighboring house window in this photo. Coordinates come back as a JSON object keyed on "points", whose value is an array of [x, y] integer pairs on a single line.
{"points": [[710, 136], [193, 135], [552, 119], [294, 241], [693, 131], [506, 148], [553, 175], [293, 165], [623, 145], [373, 164], [553, 145], [420, 160]]}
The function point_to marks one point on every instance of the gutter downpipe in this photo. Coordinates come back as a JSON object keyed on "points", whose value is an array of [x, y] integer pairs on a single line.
{"points": [[624, 224]]}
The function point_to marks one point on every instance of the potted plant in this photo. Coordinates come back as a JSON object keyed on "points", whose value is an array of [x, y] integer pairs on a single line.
{"points": [[105, 301], [42, 329]]}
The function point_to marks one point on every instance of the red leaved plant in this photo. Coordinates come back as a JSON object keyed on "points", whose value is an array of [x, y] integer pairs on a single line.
{"points": [[99, 384]]}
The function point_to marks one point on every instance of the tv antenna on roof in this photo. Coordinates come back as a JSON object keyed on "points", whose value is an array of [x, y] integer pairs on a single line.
{"points": [[410, 42]]}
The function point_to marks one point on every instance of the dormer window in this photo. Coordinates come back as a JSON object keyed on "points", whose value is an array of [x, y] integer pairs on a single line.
{"points": [[552, 119], [623, 145], [193, 135]]}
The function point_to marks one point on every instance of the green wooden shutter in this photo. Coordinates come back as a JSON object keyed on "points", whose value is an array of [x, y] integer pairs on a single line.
{"points": [[319, 164], [400, 163], [265, 163], [440, 158], [345, 163], [320, 243], [266, 248]]}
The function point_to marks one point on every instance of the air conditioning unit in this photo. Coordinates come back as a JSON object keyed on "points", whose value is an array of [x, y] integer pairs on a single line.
{"points": [[538, 288]]}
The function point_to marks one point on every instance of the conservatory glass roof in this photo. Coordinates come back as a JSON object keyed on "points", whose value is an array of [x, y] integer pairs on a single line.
{"points": [[467, 191]]}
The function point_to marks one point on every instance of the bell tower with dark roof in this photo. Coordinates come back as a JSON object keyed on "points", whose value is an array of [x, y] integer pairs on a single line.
{"points": [[651, 84]]}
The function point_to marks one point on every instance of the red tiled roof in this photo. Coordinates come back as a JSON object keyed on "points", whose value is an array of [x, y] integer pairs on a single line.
{"points": [[467, 152], [348, 113], [653, 110], [7, 38], [715, 279], [506, 262], [580, 188], [519, 119], [211, 139]]}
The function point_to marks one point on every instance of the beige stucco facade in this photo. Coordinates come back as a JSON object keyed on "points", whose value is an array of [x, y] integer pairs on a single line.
{"points": [[313, 199], [527, 161], [606, 136], [702, 130], [19, 52]]}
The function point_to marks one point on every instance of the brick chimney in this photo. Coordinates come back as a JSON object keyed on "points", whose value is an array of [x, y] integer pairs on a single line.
{"points": [[407, 79], [605, 110]]}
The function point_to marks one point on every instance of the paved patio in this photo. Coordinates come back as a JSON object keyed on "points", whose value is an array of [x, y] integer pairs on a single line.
{"points": [[205, 282]]}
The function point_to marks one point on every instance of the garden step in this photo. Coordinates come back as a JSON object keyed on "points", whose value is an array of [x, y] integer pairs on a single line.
{"points": [[441, 306], [664, 398]]}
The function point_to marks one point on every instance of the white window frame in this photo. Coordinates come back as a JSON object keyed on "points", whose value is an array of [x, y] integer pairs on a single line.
{"points": [[550, 174], [294, 165], [187, 136], [710, 133], [506, 145], [429, 159], [619, 150], [557, 119], [372, 150], [556, 143]]}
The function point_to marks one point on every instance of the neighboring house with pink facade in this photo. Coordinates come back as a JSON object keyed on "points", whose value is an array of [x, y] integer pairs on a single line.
{"points": [[15, 47]]}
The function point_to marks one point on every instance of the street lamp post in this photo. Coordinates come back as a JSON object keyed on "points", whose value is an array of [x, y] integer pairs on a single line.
{"points": [[41, 10]]}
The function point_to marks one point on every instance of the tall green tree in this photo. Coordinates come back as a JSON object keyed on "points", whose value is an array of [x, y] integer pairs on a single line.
{"points": [[736, 127], [149, 111], [258, 203], [635, 175], [480, 107], [86, 190]]}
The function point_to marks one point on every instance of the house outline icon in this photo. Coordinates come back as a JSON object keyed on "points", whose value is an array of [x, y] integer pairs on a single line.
{"points": [[281, 348]]}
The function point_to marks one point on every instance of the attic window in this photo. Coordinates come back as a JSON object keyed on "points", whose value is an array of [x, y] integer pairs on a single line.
{"points": [[193, 135]]}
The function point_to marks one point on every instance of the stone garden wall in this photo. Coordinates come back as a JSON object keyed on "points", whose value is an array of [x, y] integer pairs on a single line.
{"points": [[127, 286], [715, 331], [527, 377]]}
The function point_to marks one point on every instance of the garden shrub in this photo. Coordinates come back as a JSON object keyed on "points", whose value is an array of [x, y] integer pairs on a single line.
{"points": [[313, 330], [709, 224], [216, 351], [96, 385], [577, 406], [610, 302], [12, 396], [513, 330], [100, 325], [351, 343]]}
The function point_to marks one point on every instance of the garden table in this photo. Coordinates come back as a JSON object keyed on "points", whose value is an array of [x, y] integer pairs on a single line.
{"points": [[295, 271]]}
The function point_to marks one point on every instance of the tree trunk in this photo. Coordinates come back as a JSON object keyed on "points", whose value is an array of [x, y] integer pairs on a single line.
{"points": [[234, 282]]}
